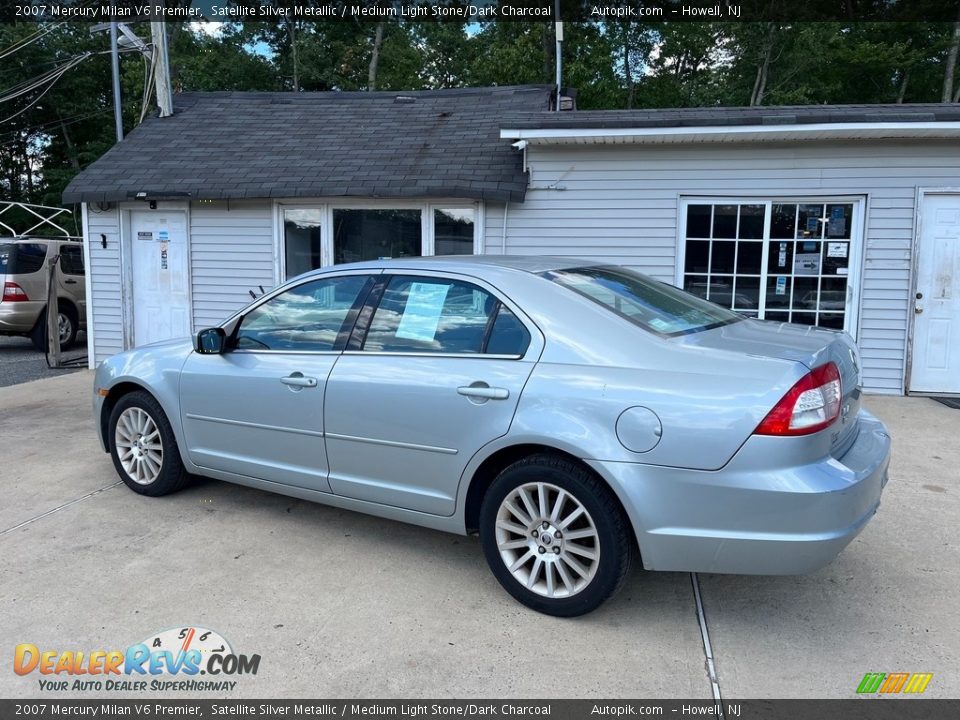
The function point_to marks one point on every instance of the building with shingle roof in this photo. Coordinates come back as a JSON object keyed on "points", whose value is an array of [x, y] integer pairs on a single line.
{"points": [[846, 217]]}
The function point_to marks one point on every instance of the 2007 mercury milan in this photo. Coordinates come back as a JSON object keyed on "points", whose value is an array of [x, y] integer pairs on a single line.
{"points": [[576, 415]]}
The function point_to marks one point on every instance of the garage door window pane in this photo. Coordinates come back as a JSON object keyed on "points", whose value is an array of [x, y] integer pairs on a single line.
{"points": [[783, 221], [453, 231], [725, 221], [375, 234], [698, 220], [751, 221]]}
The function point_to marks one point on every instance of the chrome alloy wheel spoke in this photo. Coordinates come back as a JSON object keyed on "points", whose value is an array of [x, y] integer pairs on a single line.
{"points": [[547, 540], [139, 445]]}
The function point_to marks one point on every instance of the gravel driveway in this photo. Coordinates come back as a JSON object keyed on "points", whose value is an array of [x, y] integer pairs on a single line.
{"points": [[20, 362]]}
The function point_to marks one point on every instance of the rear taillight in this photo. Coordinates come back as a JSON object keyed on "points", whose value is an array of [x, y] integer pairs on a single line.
{"points": [[13, 293], [810, 405]]}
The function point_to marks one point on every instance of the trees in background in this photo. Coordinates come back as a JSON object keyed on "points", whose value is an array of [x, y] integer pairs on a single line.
{"points": [[56, 96]]}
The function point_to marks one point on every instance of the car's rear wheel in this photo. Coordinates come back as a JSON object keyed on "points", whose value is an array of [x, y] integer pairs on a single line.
{"points": [[143, 446], [66, 329], [555, 536]]}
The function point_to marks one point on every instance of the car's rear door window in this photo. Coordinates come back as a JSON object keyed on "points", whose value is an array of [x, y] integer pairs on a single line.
{"points": [[441, 315], [653, 305], [22, 258], [309, 317]]}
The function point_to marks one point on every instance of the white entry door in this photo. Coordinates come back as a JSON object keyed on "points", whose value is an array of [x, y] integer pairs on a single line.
{"points": [[936, 330], [161, 298]]}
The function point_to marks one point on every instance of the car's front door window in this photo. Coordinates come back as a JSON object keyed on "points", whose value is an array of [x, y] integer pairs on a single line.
{"points": [[308, 317]]}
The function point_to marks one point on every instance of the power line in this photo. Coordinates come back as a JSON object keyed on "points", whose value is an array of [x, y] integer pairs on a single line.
{"points": [[70, 120], [35, 82], [39, 33], [52, 82], [30, 39]]}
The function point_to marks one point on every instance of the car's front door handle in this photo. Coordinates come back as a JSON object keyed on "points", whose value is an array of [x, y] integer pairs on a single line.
{"points": [[298, 380], [484, 391], [69, 282]]}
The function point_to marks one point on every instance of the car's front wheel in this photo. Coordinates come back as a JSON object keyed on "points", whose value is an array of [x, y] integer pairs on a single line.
{"points": [[555, 536], [143, 446]]}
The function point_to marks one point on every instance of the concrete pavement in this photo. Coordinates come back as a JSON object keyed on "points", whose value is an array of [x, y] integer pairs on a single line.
{"points": [[345, 605]]}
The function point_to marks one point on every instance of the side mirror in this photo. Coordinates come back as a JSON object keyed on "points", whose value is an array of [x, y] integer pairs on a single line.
{"points": [[211, 341]]}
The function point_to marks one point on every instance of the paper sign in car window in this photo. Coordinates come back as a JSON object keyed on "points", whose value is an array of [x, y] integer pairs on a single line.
{"points": [[421, 316]]}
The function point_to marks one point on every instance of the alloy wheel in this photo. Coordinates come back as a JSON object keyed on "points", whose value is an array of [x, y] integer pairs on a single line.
{"points": [[547, 540], [64, 327], [139, 445]]}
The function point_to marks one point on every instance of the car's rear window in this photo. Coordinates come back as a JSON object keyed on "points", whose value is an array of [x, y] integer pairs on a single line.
{"points": [[21, 258], [653, 305]]}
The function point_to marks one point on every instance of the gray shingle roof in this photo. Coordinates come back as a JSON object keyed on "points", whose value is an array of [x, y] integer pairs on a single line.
{"points": [[718, 116], [442, 143]]}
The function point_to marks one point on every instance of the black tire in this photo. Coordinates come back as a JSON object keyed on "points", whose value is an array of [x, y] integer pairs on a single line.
{"points": [[38, 336], [143, 477], [602, 529]]}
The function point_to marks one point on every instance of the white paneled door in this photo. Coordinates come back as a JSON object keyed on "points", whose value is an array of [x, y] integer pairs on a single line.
{"points": [[936, 330], [161, 297]]}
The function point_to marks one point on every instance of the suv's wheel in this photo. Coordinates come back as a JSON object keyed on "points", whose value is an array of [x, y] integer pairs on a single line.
{"points": [[66, 327], [555, 536], [143, 447]]}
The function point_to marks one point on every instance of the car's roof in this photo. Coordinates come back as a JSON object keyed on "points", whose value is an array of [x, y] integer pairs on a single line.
{"points": [[41, 238], [471, 263]]}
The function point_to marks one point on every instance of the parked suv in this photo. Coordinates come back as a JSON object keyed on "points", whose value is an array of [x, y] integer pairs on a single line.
{"points": [[23, 271]]}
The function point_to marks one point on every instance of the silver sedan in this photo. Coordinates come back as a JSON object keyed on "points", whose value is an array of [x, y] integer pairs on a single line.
{"points": [[577, 416]]}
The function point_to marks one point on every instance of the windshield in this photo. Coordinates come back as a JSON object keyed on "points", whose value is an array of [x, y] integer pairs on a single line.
{"points": [[653, 305]]}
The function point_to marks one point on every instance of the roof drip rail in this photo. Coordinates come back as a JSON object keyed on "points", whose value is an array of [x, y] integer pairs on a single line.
{"points": [[46, 219]]}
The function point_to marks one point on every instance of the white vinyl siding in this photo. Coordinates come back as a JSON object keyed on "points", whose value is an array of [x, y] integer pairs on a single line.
{"points": [[103, 275], [231, 253], [621, 204]]}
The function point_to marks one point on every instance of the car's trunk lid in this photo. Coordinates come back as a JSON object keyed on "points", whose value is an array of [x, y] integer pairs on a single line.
{"points": [[810, 346]]}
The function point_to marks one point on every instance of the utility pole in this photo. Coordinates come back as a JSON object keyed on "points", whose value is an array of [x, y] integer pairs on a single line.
{"points": [[162, 69], [115, 68], [559, 32]]}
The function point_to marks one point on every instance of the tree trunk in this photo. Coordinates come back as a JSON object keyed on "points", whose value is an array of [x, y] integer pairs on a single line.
{"points": [[951, 63], [293, 52], [763, 70], [27, 169], [549, 51], [375, 58], [71, 148], [631, 86], [902, 93]]}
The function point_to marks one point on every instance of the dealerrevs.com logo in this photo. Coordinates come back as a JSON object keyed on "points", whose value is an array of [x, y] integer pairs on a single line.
{"points": [[187, 659]]}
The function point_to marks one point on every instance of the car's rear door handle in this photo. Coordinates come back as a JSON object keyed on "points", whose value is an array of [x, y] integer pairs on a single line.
{"points": [[298, 380], [69, 282], [482, 390]]}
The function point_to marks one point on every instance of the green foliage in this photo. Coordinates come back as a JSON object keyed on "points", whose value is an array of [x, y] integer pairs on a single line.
{"points": [[50, 132]]}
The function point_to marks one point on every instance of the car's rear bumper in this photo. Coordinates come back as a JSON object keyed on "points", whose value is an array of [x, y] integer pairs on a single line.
{"points": [[19, 317], [756, 515]]}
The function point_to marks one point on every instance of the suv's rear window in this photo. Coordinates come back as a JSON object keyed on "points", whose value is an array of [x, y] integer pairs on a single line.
{"points": [[21, 258], [653, 305]]}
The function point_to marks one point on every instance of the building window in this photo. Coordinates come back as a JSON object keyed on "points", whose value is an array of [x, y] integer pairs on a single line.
{"points": [[375, 234], [302, 240], [775, 260], [453, 231]]}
